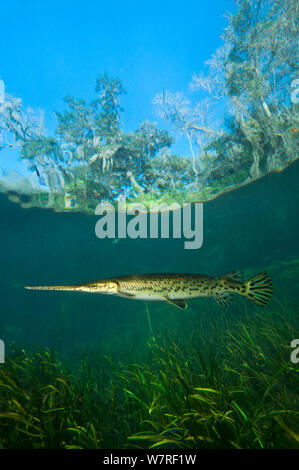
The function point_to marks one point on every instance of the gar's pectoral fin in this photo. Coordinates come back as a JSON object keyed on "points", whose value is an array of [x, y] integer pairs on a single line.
{"points": [[126, 295], [180, 303]]}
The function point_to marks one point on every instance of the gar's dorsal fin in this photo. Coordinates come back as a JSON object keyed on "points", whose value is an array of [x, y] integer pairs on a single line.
{"points": [[180, 303]]}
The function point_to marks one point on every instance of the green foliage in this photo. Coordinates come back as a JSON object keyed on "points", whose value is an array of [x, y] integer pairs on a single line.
{"points": [[107, 120], [39, 146], [262, 37], [99, 119], [75, 126], [147, 141]]}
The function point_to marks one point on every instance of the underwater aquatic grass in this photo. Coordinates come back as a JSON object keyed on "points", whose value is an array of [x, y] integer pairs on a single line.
{"points": [[226, 383], [234, 407]]}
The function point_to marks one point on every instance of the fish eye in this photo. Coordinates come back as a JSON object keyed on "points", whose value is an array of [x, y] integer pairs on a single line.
{"points": [[112, 286]]}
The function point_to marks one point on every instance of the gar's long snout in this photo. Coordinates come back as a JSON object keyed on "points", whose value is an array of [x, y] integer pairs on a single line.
{"points": [[101, 287]]}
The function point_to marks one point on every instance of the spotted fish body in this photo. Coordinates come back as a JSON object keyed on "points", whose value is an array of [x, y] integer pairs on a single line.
{"points": [[176, 288]]}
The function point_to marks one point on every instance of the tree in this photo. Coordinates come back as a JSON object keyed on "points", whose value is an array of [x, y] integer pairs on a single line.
{"points": [[90, 157], [108, 118], [250, 76], [191, 121]]}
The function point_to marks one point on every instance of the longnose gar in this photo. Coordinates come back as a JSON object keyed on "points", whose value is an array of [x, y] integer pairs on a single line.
{"points": [[175, 288]]}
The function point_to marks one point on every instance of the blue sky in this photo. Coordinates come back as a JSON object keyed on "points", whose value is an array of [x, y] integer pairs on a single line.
{"points": [[53, 48]]}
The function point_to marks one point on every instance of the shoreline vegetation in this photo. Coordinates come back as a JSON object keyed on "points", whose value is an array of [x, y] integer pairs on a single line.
{"points": [[57, 201]]}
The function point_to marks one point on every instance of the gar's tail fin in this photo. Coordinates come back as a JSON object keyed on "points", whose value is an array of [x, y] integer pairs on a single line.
{"points": [[259, 289]]}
